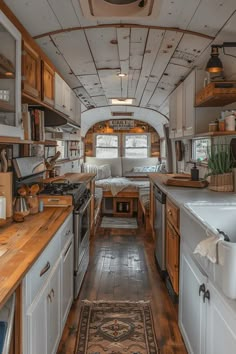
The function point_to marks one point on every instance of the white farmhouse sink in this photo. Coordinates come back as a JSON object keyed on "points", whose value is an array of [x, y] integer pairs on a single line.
{"points": [[200, 220], [216, 216]]}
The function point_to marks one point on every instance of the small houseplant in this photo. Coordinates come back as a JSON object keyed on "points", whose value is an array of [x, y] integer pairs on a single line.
{"points": [[220, 166]]}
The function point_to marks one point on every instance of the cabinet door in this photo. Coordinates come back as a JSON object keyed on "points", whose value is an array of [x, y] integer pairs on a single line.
{"points": [[66, 98], [10, 79], [54, 310], [67, 280], [192, 309], [221, 325], [172, 256], [179, 111], [72, 105], [172, 114], [31, 71], [77, 111], [59, 98], [37, 326], [48, 95], [189, 98]]}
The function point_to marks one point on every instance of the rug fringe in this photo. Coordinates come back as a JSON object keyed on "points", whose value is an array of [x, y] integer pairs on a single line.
{"points": [[145, 302]]}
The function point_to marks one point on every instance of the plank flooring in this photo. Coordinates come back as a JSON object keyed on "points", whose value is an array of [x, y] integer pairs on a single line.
{"points": [[122, 267]]}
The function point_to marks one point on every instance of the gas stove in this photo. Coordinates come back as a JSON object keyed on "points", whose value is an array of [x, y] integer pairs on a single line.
{"points": [[63, 194]]}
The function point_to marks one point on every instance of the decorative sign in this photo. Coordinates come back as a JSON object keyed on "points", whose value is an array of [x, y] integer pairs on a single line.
{"points": [[121, 124]]}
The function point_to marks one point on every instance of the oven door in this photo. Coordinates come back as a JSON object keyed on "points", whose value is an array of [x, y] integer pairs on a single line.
{"points": [[81, 232]]}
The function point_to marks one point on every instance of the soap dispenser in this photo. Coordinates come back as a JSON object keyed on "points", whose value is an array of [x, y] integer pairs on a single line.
{"points": [[194, 173]]}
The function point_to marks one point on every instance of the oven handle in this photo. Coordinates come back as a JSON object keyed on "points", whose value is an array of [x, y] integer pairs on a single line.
{"points": [[82, 210]]}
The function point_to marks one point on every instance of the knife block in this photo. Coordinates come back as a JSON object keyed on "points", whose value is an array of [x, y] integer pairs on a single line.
{"points": [[6, 190]]}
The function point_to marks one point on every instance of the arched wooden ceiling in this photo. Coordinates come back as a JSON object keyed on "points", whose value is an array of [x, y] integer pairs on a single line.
{"points": [[156, 52]]}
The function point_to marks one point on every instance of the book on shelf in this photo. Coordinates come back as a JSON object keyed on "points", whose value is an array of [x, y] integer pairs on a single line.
{"points": [[33, 123]]}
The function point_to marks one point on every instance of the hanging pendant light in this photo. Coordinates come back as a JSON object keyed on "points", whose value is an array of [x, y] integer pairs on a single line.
{"points": [[214, 64]]}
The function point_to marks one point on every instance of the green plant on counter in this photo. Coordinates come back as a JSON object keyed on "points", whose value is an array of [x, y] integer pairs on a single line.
{"points": [[220, 159]]}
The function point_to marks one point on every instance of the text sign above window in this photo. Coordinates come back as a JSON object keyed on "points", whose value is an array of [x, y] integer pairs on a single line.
{"points": [[121, 124]]}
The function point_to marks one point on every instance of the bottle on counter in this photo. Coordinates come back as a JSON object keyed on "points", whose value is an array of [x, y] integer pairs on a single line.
{"points": [[194, 173]]}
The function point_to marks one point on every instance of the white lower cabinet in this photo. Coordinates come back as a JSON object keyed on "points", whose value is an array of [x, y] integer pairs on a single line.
{"points": [[43, 317], [206, 319], [67, 263], [48, 293]]}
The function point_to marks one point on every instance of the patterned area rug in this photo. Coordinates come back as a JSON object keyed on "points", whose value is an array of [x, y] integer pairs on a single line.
{"points": [[119, 223], [116, 328]]}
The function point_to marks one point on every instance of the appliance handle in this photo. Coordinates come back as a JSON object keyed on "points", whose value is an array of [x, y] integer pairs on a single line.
{"points": [[7, 342], [82, 210]]}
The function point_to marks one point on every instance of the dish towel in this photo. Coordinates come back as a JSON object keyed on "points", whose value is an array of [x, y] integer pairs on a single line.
{"points": [[208, 247]]}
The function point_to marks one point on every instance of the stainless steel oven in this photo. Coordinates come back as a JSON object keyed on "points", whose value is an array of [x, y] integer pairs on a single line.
{"points": [[82, 236]]}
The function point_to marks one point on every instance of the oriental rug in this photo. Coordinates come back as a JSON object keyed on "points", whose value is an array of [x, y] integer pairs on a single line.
{"points": [[113, 222], [112, 327]]}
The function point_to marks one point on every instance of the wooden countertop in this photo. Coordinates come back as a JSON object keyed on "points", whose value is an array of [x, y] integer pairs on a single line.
{"points": [[72, 177], [22, 243]]}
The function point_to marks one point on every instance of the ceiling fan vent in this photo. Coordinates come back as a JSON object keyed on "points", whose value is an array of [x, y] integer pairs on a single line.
{"points": [[118, 8]]}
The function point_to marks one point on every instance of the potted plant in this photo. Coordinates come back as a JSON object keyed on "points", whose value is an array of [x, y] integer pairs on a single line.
{"points": [[220, 166]]}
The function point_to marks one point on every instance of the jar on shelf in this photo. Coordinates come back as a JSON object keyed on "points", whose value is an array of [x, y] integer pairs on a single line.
{"points": [[213, 127]]}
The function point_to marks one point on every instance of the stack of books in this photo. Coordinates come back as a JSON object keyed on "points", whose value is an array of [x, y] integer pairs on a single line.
{"points": [[33, 123]]}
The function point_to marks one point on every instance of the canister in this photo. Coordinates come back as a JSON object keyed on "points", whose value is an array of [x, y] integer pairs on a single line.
{"points": [[230, 122]]}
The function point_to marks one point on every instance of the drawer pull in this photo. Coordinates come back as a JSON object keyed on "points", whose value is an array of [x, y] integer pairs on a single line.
{"points": [[45, 269], [202, 289], [52, 291], [169, 212], [49, 298], [206, 295], [67, 250]]}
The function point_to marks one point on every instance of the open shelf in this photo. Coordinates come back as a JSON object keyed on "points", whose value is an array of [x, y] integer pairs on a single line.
{"points": [[225, 133], [12, 140]]}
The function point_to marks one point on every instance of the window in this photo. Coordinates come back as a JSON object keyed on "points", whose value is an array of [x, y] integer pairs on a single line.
{"points": [[107, 145], [136, 145], [200, 149], [62, 146]]}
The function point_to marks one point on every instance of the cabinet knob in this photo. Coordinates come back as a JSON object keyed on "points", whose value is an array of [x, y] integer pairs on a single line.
{"points": [[206, 295], [52, 292], [202, 289], [49, 298]]}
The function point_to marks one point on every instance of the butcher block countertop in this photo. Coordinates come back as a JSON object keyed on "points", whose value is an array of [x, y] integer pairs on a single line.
{"points": [[22, 243]]}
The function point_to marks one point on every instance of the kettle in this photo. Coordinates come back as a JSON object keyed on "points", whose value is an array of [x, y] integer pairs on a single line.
{"points": [[20, 209]]}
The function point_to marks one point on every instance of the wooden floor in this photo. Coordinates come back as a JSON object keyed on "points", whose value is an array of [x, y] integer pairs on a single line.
{"points": [[122, 267]]}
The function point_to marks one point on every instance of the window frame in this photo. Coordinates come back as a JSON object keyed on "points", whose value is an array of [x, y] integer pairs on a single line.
{"points": [[110, 134], [136, 134]]}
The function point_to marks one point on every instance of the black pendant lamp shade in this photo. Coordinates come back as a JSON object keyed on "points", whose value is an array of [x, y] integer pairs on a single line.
{"points": [[214, 64]]}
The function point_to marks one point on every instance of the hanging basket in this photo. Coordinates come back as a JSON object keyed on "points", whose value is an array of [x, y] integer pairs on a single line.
{"points": [[221, 183]]}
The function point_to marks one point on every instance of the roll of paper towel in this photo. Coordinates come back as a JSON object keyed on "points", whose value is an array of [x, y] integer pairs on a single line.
{"points": [[2, 207]]}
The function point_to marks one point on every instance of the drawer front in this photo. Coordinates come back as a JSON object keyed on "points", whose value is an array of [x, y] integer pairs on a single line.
{"points": [[40, 271], [172, 214], [66, 230]]}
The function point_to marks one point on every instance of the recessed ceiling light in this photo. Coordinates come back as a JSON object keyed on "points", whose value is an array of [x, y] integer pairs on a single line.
{"points": [[121, 74], [122, 100]]}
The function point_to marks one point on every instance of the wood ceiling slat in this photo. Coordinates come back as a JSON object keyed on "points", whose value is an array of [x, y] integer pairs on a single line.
{"points": [[59, 61], [137, 47], [36, 16], [92, 84], [75, 49], [167, 48], [133, 78], [105, 53], [110, 83], [123, 37], [153, 44], [211, 15], [65, 13]]}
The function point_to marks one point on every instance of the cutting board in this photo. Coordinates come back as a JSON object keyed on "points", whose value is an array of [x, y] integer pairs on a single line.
{"points": [[182, 180]]}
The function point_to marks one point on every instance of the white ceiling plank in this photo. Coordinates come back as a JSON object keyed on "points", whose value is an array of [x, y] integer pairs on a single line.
{"points": [[168, 46], [58, 60], [189, 49], [123, 37], [84, 97], [137, 47], [100, 101], [65, 13], [105, 53], [211, 15], [133, 78], [111, 83], [75, 49], [92, 84], [153, 44]]}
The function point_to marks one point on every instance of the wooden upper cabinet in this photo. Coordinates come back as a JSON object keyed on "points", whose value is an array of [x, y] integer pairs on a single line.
{"points": [[48, 86], [31, 71]]}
